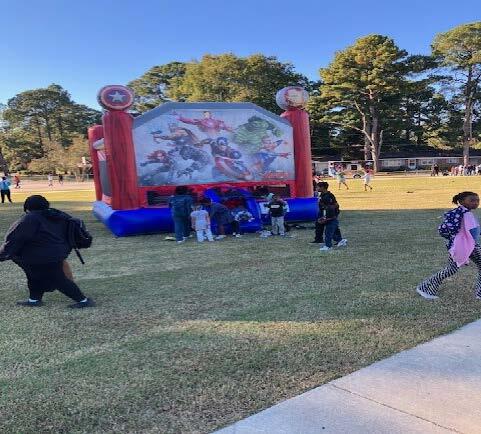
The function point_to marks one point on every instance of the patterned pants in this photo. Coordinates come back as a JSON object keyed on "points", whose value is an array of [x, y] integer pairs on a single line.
{"points": [[432, 284]]}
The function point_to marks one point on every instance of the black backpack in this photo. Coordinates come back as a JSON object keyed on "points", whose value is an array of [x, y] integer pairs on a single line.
{"points": [[78, 237]]}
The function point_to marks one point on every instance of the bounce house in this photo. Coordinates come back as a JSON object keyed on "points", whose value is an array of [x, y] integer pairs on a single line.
{"points": [[234, 153]]}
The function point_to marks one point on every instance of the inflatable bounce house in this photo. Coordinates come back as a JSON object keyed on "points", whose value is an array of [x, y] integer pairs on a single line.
{"points": [[234, 153]]}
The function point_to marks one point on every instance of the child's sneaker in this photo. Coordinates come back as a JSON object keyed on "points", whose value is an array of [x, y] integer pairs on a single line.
{"points": [[88, 302], [219, 237], [426, 295], [342, 243], [237, 235], [325, 249], [181, 241]]}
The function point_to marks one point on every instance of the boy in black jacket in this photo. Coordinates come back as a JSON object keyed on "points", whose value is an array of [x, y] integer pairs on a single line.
{"points": [[331, 223], [37, 242]]}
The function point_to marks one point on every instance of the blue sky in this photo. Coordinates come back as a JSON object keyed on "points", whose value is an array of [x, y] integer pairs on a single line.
{"points": [[83, 45]]}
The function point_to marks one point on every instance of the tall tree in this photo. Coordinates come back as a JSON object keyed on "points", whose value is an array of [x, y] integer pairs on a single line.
{"points": [[460, 50], [230, 78], [3, 128], [152, 88], [358, 84], [49, 114]]}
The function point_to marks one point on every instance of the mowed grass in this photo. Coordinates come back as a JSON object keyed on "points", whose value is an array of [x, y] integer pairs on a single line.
{"points": [[189, 338]]}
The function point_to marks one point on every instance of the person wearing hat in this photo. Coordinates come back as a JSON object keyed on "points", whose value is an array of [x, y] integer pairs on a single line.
{"points": [[37, 242]]}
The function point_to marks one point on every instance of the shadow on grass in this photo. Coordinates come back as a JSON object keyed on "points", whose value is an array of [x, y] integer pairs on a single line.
{"points": [[189, 338]]}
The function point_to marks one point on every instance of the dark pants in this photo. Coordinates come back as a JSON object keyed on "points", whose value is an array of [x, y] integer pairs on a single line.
{"points": [[236, 228], [332, 232], [49, 277], [181, 227], [319, 237], [5, 194]]}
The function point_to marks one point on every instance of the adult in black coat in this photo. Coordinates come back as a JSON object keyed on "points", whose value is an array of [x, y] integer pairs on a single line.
{"points": [[37, 242]]}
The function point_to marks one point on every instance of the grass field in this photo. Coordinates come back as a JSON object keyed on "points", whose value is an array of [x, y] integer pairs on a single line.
{"points": [[189, 338]]}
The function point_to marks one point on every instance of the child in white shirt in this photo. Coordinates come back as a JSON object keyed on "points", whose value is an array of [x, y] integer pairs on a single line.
{"points": [[201, 223]]}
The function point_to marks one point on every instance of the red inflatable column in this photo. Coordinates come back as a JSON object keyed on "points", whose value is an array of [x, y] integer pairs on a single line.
{"points": [[299, 120], [95, 133], [120, 154], [119, 146]]}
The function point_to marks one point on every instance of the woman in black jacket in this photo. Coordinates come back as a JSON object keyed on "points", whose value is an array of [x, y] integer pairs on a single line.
{"points": [[37, 242]]}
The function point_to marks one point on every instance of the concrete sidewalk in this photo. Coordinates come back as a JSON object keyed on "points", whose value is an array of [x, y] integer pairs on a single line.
{"points": [[432, 388]]}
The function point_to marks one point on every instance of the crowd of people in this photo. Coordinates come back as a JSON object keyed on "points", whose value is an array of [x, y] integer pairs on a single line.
{"points": [[465, 170], [189, 215]]}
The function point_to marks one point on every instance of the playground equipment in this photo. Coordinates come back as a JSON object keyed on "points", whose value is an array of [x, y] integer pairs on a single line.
{"points": [[235, 153]]}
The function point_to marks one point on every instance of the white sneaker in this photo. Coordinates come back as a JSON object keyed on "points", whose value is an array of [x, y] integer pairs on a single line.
{"points": [[219, 237], [342, 243], [426, 295], [325, 249], [181, 241], [237, 235]]}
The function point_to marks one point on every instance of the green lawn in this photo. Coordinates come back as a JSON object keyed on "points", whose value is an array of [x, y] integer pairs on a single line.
{"points": [[189, 338]]}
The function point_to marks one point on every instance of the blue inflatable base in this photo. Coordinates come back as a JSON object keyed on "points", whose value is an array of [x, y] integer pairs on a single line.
{"points": [[157, 220]]}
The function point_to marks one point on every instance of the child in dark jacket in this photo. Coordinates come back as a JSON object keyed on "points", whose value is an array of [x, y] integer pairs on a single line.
{"points": [[330, 221], [37, 242]]}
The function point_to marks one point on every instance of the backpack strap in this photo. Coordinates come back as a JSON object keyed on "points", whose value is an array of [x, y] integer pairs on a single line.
{"points": [[79, 256]]}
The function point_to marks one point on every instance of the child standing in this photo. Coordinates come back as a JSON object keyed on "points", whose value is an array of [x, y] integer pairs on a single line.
{"points": [[201, 223], [277, 211], [331, 223], [367, 179], [341, 179], [324, 196], [461, 229], [240, 214], [5, 189]]}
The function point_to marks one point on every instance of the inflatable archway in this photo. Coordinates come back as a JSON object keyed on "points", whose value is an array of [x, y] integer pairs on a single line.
{"points": [[225, 151]]}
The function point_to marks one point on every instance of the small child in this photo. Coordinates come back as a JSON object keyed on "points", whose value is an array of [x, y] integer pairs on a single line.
{"points": [[201, 223], [329, 218], [367, 179], [461, 229], [341, 179], [240, 215], [277, 211]]}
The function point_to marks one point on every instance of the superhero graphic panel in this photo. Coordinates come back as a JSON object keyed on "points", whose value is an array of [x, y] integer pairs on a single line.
{"points": [[212, 144]]}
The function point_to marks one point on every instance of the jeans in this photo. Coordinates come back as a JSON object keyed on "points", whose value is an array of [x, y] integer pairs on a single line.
{"points": [[332, 232], [181, 227]]}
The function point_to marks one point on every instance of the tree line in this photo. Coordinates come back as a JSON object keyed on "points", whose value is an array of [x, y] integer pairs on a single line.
{"points": [[373, 96], [44, 130]]}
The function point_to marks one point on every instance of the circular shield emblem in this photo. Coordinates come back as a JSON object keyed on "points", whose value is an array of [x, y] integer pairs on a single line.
{"points": [[292, 97], [115, 97]]}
